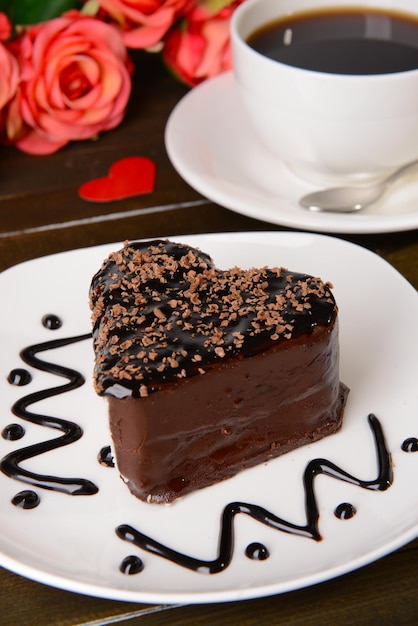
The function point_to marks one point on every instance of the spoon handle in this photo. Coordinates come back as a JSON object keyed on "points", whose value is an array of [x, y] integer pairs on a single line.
{"points": [[401, 172]]}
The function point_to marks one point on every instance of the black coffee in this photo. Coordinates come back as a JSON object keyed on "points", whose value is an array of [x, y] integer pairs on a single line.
{"points": [[342, 41]]}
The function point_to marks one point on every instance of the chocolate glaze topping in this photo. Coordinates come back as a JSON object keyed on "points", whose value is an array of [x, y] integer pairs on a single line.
{"points": [[163, 311]]}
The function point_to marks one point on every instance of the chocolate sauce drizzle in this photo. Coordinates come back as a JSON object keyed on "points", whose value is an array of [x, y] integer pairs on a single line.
{"points": [[310, 530], [51, 321], [131, 565], [10, 464], [13, 432], [26, 499], [410, 445], [105, 457], [19, 377], [345, 510], [257, 551]]}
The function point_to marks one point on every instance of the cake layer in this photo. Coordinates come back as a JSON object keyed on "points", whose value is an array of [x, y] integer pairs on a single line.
{"points": [[205, 429]]}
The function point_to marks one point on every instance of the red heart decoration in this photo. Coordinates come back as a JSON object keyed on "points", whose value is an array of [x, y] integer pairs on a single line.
{"points": [[128, 177]]}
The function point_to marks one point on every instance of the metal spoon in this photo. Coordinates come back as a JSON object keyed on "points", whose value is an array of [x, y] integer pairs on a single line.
{"points": [[355, 198]]}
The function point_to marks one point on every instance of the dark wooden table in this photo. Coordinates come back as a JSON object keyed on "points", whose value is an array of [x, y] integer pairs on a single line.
{"points": [[41, 213]]}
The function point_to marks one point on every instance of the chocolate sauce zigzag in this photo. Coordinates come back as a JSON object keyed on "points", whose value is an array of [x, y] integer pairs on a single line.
{"points": [[10, 464], [310, 530]]}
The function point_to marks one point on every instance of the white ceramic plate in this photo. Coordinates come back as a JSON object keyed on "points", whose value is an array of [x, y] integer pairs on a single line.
{"points": [[213, 147], [70, 541]]}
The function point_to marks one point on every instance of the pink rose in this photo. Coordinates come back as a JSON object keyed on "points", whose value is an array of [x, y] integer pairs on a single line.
{"points": [[75, 82], [9, 73], [5, 27], [199, 47], [143, 22], [9, 68]]}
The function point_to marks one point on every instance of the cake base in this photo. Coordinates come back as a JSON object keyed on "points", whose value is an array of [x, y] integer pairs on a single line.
{"points": [[241, 412]]}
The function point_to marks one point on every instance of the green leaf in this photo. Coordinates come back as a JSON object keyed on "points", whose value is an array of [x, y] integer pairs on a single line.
{"points": [[91, 8], [215, 6], [34, 11]]}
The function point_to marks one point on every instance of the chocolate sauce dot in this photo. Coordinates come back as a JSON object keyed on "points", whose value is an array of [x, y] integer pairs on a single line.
{"points": [[13, 432], [105, 457], [51, 321], [19, 377], [410, 445], [131, 565], [257, 551], [26, 499], [345, 511]]}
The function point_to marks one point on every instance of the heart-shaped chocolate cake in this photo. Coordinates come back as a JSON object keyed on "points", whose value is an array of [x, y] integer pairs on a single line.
{"points": [[208, 371]]}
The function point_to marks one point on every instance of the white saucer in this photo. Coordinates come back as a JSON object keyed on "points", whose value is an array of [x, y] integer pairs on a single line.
{"points": [[213, 147]]}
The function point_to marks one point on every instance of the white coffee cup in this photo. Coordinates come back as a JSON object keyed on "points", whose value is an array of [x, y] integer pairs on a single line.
{"points": [[329, 128]]}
